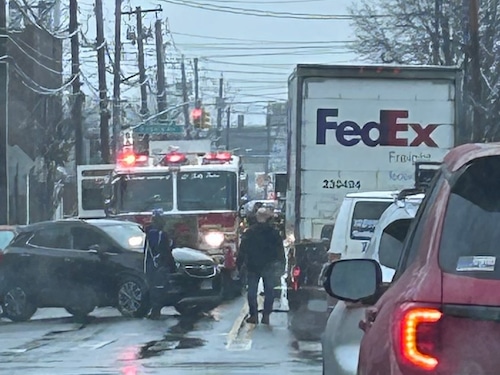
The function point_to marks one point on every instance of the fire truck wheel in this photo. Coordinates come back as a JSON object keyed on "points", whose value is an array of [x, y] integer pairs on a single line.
{"points": [[133, 297]]}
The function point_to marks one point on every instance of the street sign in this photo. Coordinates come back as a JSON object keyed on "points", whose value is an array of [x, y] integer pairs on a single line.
{"points": [[158, 128]]}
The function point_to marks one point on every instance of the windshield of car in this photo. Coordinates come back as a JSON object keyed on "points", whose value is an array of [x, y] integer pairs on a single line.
{"points": [[144, 192], [365, 217], [129, 236], [214, 190], [5, 237], [470, 238]]}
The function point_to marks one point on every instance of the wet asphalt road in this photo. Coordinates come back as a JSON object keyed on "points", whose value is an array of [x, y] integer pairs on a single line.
{"points": [[52, 343]]}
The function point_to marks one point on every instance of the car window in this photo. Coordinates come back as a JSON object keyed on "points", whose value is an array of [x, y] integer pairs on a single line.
{"points": [[391, 242], [365, 217], [470, 238], [129, 236], [5, 237], [51, 237], [412, 242], [83, 238]]}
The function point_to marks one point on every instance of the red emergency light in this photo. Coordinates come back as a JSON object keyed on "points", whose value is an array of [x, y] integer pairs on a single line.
{"points": [[130, 159], [174, 158], [217, 157]]}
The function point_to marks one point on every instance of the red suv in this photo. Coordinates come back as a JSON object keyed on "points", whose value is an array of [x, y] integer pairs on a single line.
{"points": [[441, 312]]}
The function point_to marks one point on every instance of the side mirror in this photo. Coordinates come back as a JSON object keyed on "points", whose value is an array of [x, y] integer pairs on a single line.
{"points": [[391, 242], [353, 280]]}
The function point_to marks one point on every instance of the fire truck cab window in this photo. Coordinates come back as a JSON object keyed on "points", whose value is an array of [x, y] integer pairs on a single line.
{"points": [[139, 193], [92, 194], [203, 190]]}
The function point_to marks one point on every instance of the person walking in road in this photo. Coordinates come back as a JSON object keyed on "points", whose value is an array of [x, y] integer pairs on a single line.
{"points": [[261, 253], [159, 262], [252, 216]]}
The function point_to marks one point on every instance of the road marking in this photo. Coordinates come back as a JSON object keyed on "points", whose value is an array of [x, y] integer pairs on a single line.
{"points": [[233, 333], [240, 336], [96, 345]]}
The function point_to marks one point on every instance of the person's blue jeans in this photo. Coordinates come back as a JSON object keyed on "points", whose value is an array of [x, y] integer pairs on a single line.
{"points": [[268, 279]]}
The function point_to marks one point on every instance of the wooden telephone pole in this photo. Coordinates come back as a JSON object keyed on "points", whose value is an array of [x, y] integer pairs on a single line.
{"points": [[76, 110], [4, 169], [140, 49], [117, 78], [185, 97], [103, 90], [475, 71], [160, 69]]}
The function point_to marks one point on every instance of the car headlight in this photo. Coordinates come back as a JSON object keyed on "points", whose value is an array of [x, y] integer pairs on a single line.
{"points": [[135, 241], [214, 239]]}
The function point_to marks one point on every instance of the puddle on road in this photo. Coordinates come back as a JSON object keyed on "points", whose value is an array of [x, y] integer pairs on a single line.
{"points": [[169, 342], [175, 339]]}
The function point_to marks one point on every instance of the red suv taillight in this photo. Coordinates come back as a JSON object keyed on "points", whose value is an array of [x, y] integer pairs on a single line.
{"points": [[417, 336]]}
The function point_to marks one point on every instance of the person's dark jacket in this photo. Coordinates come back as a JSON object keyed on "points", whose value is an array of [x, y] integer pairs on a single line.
{"points": [[261, 246], [160, 254]]}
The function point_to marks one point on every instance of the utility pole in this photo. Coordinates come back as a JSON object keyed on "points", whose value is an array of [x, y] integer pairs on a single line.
{"points": [[4, 123], [185, 98], [103, 89], [220, 102], [117, 79], [76, 110], [268, 148], [475, 73], [228, 126], [142, 67], [196, 84], [160, 69], [140, 49]]}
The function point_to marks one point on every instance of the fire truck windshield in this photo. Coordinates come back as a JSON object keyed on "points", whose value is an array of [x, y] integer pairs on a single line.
{"points": [[144, 192], [204, 190]]}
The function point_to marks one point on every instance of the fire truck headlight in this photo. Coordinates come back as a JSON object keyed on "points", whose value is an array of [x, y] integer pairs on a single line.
{"points": [[214, 239]]}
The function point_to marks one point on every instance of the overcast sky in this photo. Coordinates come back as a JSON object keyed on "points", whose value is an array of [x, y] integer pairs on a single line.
{"points": [[256, 54]]}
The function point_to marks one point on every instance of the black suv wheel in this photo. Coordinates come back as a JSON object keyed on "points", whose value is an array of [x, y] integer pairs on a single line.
{"points": [[133, 297], [17, 305]]}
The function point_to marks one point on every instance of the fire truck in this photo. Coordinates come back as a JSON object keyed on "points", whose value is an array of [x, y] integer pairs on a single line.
{"points": [[199, 194]]}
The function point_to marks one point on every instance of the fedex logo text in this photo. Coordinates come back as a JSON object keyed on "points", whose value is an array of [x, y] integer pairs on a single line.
{"points": [[350, 133]]}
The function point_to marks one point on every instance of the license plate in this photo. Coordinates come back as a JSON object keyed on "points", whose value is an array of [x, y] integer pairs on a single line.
{"points": [[206, 284]]}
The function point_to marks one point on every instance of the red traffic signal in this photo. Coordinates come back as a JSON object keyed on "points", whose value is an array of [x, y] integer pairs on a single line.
{"points": [[197, 113]]}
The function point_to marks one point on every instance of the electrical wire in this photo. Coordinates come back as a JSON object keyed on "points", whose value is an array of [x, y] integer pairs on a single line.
{"points": [[29, 56], [254, 40], [37, 24], [266, 13]]}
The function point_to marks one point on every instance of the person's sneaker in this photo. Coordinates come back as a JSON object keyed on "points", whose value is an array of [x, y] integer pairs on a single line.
{"points": [[252, 319], [265, 319]]}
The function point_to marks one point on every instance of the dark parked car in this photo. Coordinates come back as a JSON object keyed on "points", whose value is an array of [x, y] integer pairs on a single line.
{"points": [[83, 264]]}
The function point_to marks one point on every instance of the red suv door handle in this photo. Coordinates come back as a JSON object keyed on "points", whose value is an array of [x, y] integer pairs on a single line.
{"points": [[370, 316]]}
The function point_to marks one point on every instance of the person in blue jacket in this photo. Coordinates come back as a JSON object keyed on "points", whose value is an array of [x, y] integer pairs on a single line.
{"points": [[159, 262]]}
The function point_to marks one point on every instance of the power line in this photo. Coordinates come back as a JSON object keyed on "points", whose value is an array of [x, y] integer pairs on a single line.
{"points": [[267, 2], [266, 13], [253, 40]]}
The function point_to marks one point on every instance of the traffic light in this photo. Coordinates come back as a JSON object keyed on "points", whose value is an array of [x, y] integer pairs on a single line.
{"points": [[196, 117], [206, 122]]}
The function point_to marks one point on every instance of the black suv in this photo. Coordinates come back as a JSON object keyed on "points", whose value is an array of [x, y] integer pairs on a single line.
{"points": [[83, 264]]}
